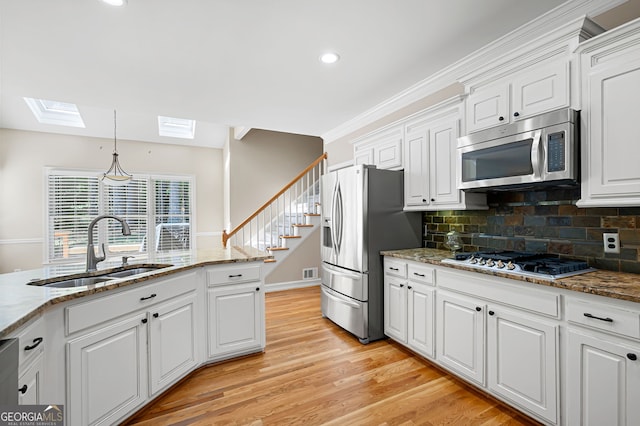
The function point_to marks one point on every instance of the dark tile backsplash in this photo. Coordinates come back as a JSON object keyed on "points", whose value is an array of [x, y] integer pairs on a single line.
{"points": [[542, 221]]}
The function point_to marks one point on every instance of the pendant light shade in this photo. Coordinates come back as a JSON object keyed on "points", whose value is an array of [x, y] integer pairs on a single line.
{"points": [[115, 176]]}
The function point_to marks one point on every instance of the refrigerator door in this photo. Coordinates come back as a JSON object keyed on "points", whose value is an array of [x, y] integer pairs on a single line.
{"points": [[349, 283], [343, 215]]}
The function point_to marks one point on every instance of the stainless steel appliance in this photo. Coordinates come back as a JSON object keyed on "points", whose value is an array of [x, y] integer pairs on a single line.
{"points": [[541, 150], [539, 265], [9, 372], [361, 216]]}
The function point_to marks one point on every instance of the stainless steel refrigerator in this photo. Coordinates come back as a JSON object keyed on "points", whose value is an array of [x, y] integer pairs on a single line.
{"points": [[361, 216]]}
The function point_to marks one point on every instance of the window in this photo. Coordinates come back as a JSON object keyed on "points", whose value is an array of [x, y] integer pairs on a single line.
{"points": [[158, 209]]}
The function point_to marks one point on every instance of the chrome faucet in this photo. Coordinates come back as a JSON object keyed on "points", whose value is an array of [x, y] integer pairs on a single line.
{"points": [[92, 259]]}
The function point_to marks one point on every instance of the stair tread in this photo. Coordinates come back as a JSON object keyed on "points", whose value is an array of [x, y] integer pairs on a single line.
{"points": [[277, 248], [312, 214], [290, 236], [302, 225], [270, 260]]}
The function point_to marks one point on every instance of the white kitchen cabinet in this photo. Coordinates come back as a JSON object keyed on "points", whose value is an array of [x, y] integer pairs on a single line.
{"points": [[172, 341], [610, 66], [603, 380], [107, 372], [127, 346], [408, 305], [30, 383], [382, 148], [460, 325], [430, 166], [522, 355], [531, 92], [235, 311], [420, 318], [395, 308]]}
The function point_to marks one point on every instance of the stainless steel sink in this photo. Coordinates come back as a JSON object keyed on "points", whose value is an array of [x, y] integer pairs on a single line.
{"points": [[82, 280], [77, 282]]}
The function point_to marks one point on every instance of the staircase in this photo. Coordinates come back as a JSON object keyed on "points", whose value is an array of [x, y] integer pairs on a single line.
{"points": [[283, 222]]}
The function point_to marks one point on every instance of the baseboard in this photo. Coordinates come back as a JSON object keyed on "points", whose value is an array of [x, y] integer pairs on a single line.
{"points": [[291, 285]]}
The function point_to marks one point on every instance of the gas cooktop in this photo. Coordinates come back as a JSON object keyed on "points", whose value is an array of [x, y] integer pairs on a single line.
{"points": [[541, 265]]}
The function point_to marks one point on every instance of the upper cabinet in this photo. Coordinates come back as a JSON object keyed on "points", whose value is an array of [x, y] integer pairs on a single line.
{"points": [[610, 71], [430, 172], [382, 148], [536, 90]]}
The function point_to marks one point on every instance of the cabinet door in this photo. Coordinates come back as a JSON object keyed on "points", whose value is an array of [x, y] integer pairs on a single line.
{"points": [[416, 168], [442, 171], [460, 325], [612, 149], [235, 319], [107, 372], [542, 89], [522, 354], [395, 308], [29, 383], [172, 341], [603, 381], [389, 154], [488, 107], [420, 318]]}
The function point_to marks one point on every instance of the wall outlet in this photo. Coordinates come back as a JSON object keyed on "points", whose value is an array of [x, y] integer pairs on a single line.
{"points": [[611, 242]]}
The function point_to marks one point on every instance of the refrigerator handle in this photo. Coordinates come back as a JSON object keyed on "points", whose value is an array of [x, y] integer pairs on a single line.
{"points": [[336, 229]]}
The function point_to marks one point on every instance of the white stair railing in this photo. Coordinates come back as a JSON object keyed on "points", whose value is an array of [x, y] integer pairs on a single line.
{"points": [[282, 214]]}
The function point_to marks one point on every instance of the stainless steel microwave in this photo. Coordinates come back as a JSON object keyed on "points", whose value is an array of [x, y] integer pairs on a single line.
{"points": [[536, 151]]}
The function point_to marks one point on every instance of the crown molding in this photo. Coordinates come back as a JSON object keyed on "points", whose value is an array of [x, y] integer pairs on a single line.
{"points": [[571, 11], [240, 132]]}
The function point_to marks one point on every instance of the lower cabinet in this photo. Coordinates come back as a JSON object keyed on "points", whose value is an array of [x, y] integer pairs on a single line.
{"points": [[603, 380], [236, 319], [30, 383], [522, 355], [460, 325], [408, 306], [107, 372], [172, 342]]}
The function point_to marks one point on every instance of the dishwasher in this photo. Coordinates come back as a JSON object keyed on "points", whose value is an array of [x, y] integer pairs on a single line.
{"points": [[9, 372]]}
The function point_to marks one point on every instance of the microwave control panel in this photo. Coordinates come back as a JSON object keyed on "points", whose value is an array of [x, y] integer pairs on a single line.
{"points": [[555, 151]]}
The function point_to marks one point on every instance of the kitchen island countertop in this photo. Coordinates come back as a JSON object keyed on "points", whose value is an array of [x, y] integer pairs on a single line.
{"points": [[20, 302], [617, 285]]}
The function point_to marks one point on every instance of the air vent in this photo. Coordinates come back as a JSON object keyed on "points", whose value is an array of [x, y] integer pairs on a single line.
{"points": [[309, 273]]}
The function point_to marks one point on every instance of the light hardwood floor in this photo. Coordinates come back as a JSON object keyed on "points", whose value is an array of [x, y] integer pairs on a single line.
{"points": [[312, 372]]}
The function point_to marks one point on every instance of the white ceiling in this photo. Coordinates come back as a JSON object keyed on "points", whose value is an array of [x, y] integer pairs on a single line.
{"points": [[250, 63]]}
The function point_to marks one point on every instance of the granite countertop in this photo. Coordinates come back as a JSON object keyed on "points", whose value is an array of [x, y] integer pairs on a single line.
{"points": [[20, 302], [617, 285]]}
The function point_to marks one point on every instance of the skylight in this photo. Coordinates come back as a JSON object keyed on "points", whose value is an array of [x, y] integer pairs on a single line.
{"points": [[176, 127], [55, 112]]}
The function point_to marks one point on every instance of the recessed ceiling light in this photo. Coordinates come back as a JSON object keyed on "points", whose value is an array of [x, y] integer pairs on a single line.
{"points": [[55, 112], [176, 127], [115, 2], [329, 58]]}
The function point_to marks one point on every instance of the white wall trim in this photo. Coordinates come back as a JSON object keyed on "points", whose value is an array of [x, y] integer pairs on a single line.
{"points": [[556, 18], [291, 285], [342, 165], [22, 241], [240, 132]]}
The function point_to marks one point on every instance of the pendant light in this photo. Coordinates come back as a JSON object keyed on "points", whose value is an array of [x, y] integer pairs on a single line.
{"points": [[115, 176]]}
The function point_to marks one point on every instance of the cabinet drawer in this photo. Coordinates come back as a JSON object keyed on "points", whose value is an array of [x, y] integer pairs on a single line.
{"points": [[421, 273], [229, 275], [501, 290], [396, 268], [84, 315], [604, 317], [31, 341]]}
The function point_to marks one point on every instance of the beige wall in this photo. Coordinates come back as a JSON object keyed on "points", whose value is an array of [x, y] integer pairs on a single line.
{"points": [[24, 155], [262, 163], [259, 166], [341, 150]]}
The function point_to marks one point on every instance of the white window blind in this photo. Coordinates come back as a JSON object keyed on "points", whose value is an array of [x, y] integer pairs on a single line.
{"points": [[72, 204], [157, 209]]}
